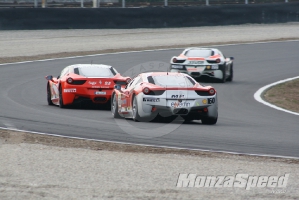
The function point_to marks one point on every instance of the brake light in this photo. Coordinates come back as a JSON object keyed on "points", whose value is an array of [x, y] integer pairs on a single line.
{"points": [[218, 60], [212, 91], [146, 90], [69, 80]]}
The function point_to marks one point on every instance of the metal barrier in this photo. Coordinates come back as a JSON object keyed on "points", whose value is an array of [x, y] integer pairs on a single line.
{"points": [[128, 3]]}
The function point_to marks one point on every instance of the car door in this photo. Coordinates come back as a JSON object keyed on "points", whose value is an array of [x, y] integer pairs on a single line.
{"points": [[56, 83], [127, 96]]}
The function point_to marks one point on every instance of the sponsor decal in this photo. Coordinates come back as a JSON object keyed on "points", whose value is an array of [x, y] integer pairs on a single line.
{"points": [[70, 90], [180, 104], [100, 82], [99, 86], [193, 69], [176, 66], [124, 101], [92, 82], [151, 99], [245, 181], [204, 101], [214, 66], [107, 83], [195, 62]]}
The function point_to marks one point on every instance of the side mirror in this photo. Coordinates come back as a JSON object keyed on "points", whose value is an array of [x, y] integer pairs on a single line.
{"points": [[232, 58], [49, 77], [128, 80], [117, 86]]}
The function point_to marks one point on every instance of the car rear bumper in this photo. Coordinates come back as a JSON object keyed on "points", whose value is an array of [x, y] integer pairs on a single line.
{"points": [[76, 94], [196, 108], [217, 74]]}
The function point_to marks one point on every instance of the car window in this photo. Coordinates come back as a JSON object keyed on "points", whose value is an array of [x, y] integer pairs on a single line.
{"points": [[134, 82], [200, 53], [94, 71], [114, 70], [64, 72], [171, 81]]}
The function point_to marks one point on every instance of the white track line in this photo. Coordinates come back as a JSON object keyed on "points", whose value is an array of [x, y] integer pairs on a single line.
{"points": [[258, 95], [146, 145], [125, 52], [155, 146]]}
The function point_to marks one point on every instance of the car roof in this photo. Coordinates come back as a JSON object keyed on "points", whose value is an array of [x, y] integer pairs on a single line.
{"points": [[163, 74], [90, 65], [201, 48]]}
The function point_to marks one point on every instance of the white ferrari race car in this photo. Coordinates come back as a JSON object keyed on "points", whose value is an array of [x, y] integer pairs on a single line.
{"points": [[203, 63]]}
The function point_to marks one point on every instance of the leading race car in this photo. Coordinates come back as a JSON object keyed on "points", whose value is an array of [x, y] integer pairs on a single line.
{"points": [[83, 82], [204, 63], [165, 94]]}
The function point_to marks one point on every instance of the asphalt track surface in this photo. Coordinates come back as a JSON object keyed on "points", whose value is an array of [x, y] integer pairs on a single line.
{"points": [[244, 125]]}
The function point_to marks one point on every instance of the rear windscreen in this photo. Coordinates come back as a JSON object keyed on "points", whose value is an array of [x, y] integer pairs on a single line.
{"points": [[200, 53], [95, 71], [171, 81]]}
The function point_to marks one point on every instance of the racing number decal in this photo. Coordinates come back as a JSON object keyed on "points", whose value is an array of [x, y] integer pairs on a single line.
{"points": [[211, 100], [177, 96]]}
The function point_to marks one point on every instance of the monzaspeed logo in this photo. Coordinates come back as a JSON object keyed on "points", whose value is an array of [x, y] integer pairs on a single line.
{"points": [[238, 180]]}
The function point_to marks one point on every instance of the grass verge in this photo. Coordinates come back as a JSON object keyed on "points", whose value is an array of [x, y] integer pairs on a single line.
{"points": [[285, 95]]}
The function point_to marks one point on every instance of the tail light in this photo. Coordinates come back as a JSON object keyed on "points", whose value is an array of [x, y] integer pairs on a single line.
{"points": [[218, 60], [146, 90], [212, 91], [69, 80]]}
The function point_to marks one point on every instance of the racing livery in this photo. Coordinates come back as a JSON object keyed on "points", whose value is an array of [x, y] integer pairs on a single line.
{"points": [[165, 94], [203, 63], [83, 82]]}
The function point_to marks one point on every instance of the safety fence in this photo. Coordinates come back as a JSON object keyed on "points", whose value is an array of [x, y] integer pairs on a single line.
{"points": [[128, 3]]}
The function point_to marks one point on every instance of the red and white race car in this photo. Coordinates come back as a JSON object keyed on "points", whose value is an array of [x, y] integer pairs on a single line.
{"points": [[165, 94], [83, 82]]}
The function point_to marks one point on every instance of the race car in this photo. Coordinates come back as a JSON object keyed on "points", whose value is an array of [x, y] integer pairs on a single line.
{"points": [[165, 94], [204, 63], [83, 82]]}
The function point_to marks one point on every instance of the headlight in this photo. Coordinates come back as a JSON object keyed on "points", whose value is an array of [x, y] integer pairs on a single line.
{"points": [[177, 66]]}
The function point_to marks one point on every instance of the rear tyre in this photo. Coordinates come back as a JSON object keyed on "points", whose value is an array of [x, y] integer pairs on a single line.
{"points": [[50, 103], [223, 80], [135, 114], [209, 120], [61, 105], [114, 107], [231, 74]]}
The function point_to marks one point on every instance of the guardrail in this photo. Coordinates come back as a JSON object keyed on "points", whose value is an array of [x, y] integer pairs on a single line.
{"points": [[128, 3]]}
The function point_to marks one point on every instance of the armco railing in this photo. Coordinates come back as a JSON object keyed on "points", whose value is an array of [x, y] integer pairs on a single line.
{"points": [[128, 3]]}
